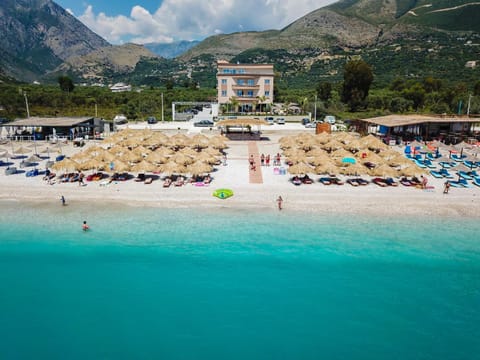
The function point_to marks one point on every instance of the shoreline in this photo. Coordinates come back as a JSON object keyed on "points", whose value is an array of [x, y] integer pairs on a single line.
{"points": [[317, 198]]}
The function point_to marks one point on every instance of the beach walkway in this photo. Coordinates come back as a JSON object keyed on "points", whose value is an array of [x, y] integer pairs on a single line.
{"points": [[255, 176]]}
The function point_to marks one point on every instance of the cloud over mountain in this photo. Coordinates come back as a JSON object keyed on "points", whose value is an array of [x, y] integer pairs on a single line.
{"points": [[193, 20]]}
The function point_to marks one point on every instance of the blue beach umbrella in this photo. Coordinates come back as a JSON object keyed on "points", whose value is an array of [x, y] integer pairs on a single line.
{"points": [[348, 160]]}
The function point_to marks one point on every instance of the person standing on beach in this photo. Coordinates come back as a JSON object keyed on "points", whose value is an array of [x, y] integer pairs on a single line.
{"points": [[279, 202], [446, 187], [62, 199], [262, 160]]}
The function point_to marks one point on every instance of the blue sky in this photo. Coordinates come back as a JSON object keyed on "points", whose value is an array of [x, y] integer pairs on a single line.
{"points": [[164, 21]]}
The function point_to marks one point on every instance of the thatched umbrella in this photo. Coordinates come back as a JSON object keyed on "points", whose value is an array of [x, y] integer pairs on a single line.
{"points": [[320, 160], [199, 168], [199, 141], [180, 158], [411, 170], [353, 169], [323, 138], [212, 151], [66, 165], [141, 150], [34, 159], [130, 157], [384, 170], [118, 166], [179, 140], [22, 150], [189, 152], [144, 166], [206, 157], [92, 164], [172, 167], [332, 145], [300, 169], [327, 168], [156, 157], [340, 154]]}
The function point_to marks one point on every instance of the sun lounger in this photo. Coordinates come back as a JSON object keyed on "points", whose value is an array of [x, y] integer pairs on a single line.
{"points": [[380, 182], [180, 181], [476, 181], [10, 170], [436, 174], [353, 182], [445, 174], [464, 175], [325, 180], [167, 182], [390, 182], [148, 180]]}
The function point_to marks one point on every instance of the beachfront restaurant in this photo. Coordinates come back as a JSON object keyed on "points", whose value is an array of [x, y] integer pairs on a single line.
{"points": [[54, 128], [405, 128]]}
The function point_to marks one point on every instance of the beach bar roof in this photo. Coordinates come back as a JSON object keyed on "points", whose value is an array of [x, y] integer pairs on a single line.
{"points": [[51, 121], [405, 120]]}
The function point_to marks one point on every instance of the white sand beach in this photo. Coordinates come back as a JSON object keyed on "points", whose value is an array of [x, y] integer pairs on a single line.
{"points": [[316, 197]]}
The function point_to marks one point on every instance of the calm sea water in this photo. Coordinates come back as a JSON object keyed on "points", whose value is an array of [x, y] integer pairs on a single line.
{"points": [[234, 284]]}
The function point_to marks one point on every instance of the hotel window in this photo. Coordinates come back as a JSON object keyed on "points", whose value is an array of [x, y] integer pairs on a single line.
{"points": [[224, 92], [267, 81], [241, 82], [240, 93], [224, 81], [267, 93], [250, 93], [251, 82]]}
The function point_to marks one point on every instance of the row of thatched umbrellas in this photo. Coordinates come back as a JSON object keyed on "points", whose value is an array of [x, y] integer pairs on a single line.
{"points": [[346, 154], [143, 151]]}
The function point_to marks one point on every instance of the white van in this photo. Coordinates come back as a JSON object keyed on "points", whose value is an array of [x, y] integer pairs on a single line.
{"points": [[120, 119], [330, 119]]}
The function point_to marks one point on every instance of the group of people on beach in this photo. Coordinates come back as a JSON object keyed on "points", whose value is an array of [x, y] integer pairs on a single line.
{"points": [[264, 161]]}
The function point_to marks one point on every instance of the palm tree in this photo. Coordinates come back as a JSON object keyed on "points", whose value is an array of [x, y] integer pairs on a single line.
{"points": [[303, 104], [261, 100], [234, 102]]}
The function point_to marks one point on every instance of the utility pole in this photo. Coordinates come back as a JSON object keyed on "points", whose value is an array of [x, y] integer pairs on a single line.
{"points": [[468, 106], [315, 112], [162, 109], [26, 103]]}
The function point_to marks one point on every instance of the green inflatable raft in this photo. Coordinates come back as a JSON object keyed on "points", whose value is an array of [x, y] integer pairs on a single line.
{"points": [[223, 193]]}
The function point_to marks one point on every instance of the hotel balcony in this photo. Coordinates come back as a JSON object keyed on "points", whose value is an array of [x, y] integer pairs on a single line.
{"points": [[245, 87]]}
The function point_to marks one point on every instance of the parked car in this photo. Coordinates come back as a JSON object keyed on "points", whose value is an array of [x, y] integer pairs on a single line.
{"points": [[330, 119], [152, 120], [270, 120], [305, 121], [203, 123], [312, 124], [280, 121]]}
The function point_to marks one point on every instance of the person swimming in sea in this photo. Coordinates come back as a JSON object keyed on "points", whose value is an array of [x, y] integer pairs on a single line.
{"points": [[85, 226]]}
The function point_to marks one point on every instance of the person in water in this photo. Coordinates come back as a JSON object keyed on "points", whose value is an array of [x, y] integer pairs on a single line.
{"points": [[279, 202], [85, 226]]}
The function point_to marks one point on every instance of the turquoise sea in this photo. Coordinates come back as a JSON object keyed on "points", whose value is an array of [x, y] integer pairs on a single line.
{"points": [[149, 283]]}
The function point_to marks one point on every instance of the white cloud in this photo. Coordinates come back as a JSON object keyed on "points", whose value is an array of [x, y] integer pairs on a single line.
{"points": [[195, 20]]}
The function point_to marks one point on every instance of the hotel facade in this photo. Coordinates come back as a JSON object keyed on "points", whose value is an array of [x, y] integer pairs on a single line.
{"points": [[249, 85]]}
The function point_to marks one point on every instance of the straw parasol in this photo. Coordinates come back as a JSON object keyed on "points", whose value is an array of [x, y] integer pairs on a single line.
{"points": [[206, 157], [156, 157], [143, 166], [179, 140], [118, 166], [180, 158], [212, 151], [66, 165], [300, 169], [199, 141], [92, 164], [199, 168], [411, 170], [130, 156], [22, 150], [172, 167], [353, 169], [34, 159], [384, 170], [327, 168]]}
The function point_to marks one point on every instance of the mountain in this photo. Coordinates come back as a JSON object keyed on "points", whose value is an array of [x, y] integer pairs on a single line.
{"points": [[103, 63], [39, 35], [171, 50], [397, 37]]}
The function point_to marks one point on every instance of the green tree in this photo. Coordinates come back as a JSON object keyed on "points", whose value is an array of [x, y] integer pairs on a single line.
{"points": [[476, 89], [416, 94], [324, 91], [66, 84], [431, 84], [357, 78]]}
